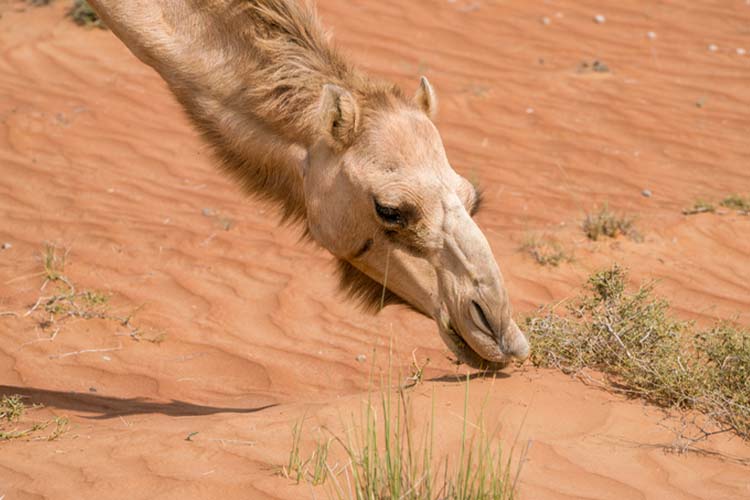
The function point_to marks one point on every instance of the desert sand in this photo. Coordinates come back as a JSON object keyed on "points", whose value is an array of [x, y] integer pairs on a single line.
{"points": [[97, 158]]}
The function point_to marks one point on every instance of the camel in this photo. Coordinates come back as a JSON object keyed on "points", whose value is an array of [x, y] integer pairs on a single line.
{"points": [[354, 160]]}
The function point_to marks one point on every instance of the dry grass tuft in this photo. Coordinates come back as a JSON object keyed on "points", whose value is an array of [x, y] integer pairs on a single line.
{"points": [[11, 408], [605, 223], [733, 202], [699, 207], [631, 337], [546, 251], [736, 202], [65, 302]]}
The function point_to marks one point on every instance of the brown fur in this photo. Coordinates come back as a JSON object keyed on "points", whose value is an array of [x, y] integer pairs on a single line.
{"points": [[365, 291], [293, 62], [287, 61], [260, 120]]}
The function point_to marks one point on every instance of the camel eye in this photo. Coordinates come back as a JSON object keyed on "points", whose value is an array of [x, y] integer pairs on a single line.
{"points": [[389, 215]]}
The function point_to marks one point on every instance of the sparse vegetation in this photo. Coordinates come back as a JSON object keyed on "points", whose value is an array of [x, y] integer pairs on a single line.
{"points": [[12, 409], [313, 469], [699, 207], [65, 302], [53, 263], [733, 202], [389, 459], [736, 202], [83, 15], [417, 371], [646, 353], [605, 223], [545, 251]]}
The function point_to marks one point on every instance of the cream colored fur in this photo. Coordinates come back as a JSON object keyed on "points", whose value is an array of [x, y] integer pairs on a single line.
{"points": [[336, 150]]}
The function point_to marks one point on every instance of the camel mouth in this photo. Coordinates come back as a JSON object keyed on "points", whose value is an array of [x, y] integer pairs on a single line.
{"points": [[466, 354]]}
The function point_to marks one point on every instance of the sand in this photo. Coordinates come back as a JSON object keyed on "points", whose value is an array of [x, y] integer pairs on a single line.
{"points": [[97, 158]]}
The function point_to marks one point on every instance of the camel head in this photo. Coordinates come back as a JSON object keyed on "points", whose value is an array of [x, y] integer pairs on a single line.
{"points": [[261, 82], [381, 195]]}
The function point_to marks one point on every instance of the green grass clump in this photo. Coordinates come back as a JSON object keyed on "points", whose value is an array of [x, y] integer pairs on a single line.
{"points": [[605, 223], [83, 15], [699, 207], [736, 202], [389, 459], [313, 469], [545, 251], [646, 353]]}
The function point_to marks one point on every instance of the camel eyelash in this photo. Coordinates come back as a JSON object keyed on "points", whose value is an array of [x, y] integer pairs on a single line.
{"points": [[390, 215]]}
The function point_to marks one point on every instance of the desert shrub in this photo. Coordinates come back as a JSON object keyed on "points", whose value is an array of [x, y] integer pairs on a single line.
{"points": [[645, 352]]}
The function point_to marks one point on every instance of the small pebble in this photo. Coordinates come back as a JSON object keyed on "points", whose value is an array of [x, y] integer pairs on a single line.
{"points": [[600, 19], [6, 246], [361, 358], [646, 193], [741, 51], [651, 35], [529, 111], [546, 21], [208, 212], [713, 47]]}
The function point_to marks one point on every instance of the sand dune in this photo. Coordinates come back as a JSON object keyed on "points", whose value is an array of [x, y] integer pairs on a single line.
{"points": [[96, 157]]}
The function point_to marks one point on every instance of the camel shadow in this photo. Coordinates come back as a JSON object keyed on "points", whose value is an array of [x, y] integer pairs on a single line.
{"points": [[111, 407], [457, 378]]}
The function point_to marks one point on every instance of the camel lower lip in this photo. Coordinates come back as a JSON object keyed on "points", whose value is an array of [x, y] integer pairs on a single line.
{"points": [[463, 346]]}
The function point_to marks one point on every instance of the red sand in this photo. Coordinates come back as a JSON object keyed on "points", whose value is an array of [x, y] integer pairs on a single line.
{"points": [[97, 157]]}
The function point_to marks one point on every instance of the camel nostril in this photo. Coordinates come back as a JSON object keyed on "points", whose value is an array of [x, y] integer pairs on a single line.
{"points": [[480, 318]]}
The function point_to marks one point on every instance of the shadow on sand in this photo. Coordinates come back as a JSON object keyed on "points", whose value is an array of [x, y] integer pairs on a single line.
{"points": [[110, 407]]}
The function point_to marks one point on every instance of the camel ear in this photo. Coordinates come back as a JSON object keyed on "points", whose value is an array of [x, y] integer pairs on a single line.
{"points": [[425, 98], [339, 115]]}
